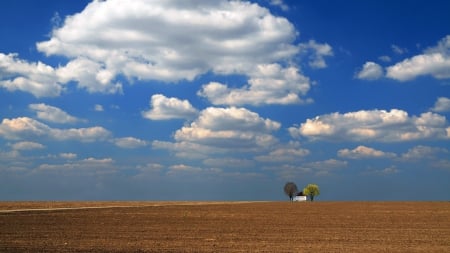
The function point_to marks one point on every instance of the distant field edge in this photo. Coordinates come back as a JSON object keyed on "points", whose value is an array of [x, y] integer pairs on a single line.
{"points": [[26, 206]]}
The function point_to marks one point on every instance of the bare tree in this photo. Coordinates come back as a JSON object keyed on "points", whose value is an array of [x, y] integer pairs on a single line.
{"points": [[290, 188]]}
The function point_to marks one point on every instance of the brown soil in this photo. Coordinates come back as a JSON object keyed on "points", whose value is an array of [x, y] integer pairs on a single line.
{"points": [[227, 227]]}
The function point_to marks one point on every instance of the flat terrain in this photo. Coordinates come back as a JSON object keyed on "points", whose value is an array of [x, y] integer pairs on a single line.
{"points": [[225, 227]]}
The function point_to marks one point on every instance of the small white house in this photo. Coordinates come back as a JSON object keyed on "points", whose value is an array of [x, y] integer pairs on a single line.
{"points": [[300, 198]]}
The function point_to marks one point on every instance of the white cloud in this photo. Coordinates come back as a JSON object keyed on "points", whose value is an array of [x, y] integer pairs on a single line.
{"points": [[434, 61], [27, 145], [319, 168], [89, 134], [92, 160], [229, 127], [43, 80], [182, 168], [129, 142], [327, 165], [98, 108], [90, 165], [398, 50], [167, 40], [187, 149], [90, 75], [280, 3], [370, 71], [164, 108], [284, 154], [442, 105], [423, 152], [10, 156], [52, 114], [389, 170], [268, 84], [374, 125], [363, 152], [178, 41], [385, 58], [318, 52], [68, 155], [150, 167], [23, 127], [38, 78], [223, 130]]}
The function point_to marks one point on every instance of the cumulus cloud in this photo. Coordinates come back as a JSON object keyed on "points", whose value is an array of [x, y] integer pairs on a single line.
{"points": [[98, 108], [130, 142], [374, 125], [370, 71], [385, 58], [164, 108], [317, 53], [423, 152], [178, 41], [27, 145], [89, 134], [92, 160], [91, 165], [52, 114], [43, 80], [434, 61], [68, 155], [280, 3], [183, 168], [319, 168], [268, 84], [389, 170], [38, 78], [398, 50], [223, 130], [284, 154], [168, 40], [150, 167], [185, 149], [363, 152], [329, 164], [90, 75], [24, 127], [229, 127], [442, 105]]}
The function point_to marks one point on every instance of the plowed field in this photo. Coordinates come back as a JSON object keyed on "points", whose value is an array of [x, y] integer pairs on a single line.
{"points": [[226, 227]]}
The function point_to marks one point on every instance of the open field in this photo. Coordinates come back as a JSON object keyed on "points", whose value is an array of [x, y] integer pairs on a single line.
{"points": [[225, 227]]}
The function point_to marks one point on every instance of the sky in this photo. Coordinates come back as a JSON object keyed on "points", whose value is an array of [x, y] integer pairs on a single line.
{"points": [[224, 100]]}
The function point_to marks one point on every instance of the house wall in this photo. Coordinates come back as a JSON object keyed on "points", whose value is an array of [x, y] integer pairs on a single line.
{"points": [[300, 198]]}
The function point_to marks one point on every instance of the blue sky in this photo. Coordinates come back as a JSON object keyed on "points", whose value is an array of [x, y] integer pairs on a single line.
{"points": [[224, 100]]}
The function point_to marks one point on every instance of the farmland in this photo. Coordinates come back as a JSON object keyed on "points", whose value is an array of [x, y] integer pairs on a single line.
{"points": [[225, 227]]}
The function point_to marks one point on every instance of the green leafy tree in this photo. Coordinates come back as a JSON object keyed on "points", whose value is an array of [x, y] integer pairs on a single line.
{"points": [[290, 188], [311, 191]]}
